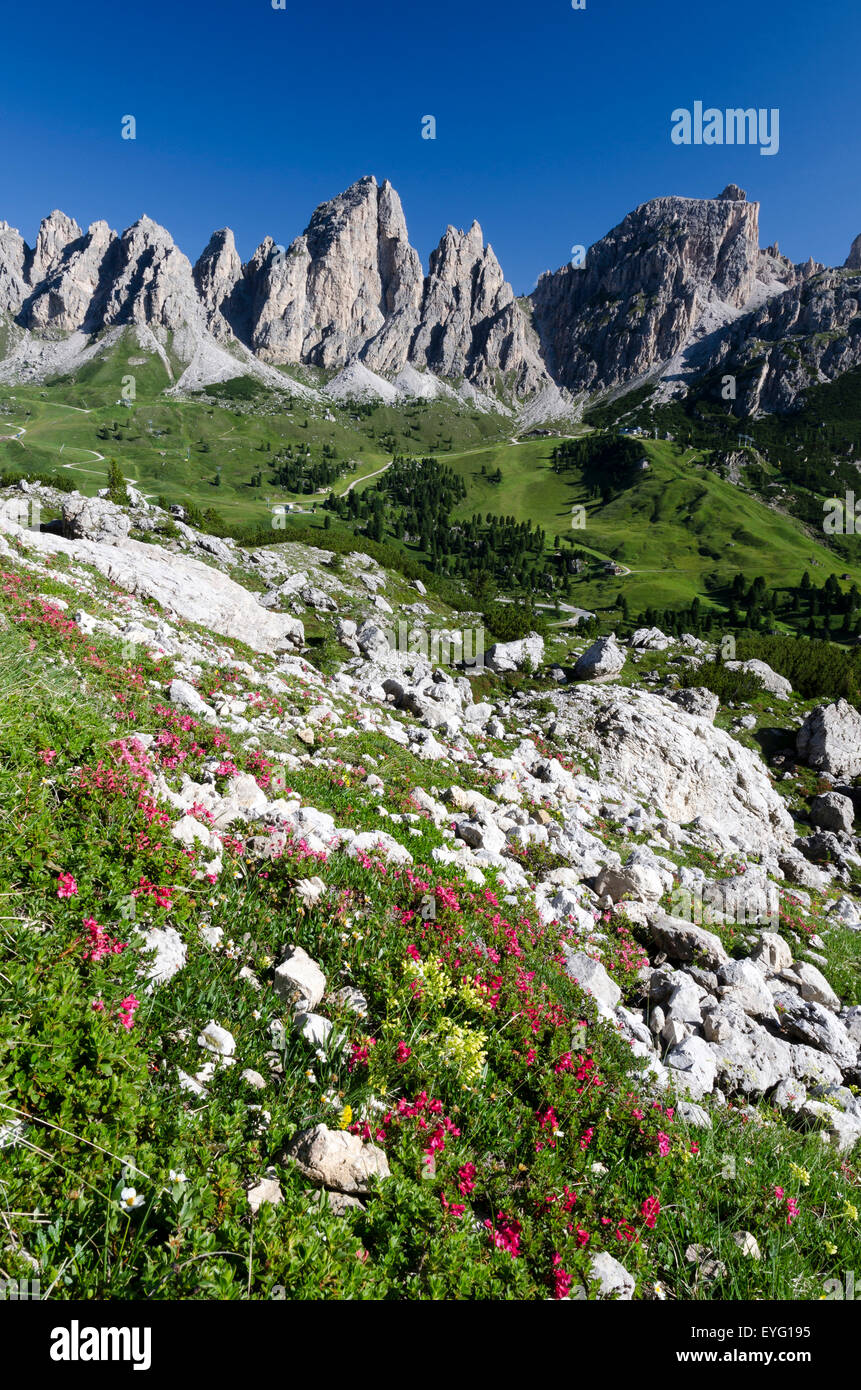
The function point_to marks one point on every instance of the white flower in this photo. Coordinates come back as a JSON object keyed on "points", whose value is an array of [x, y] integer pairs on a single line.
{"points": [[129, 1199], [177, 1177], [659, 1292], [256, 1014]]}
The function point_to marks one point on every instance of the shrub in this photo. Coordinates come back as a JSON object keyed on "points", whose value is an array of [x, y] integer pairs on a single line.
{"points": [[814, 667], [727, 685]]}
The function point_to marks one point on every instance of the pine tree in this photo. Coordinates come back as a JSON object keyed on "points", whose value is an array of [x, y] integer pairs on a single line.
{"points": [[117, 491]]}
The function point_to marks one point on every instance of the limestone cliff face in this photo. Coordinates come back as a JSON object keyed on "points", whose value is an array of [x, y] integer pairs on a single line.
{"points": [[13, 269], [810, 333], [63, 299], [220, 284], [679, 288], [96, 280], [57, 233], [471, 325], [643, 288], [149, 281], [350, 286]]}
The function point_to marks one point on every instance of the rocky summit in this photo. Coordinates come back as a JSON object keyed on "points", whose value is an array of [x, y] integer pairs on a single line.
{"points": [[433, 976], [680, 290]]}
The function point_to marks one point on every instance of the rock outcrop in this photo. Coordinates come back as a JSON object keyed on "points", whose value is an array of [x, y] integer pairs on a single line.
{"points": [[687, 767], [644, 288], [679, 290], [830, 739]]}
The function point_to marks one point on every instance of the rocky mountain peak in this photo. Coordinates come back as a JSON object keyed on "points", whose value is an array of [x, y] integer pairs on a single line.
{"points": [[645, 287], [217, 274], [679, 281], [64, 298], [466, 328], [147, 280], [56, 233], [349, 286]]}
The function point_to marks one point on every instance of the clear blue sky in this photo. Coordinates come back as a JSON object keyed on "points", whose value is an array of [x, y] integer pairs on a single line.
{"points": [[551, 123]]}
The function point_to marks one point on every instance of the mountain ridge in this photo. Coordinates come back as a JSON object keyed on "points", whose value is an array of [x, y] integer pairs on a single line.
{"points": [[678, 288]]}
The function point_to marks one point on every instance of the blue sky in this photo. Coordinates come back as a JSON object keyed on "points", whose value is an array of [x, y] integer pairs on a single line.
{"points": [[551, 123]]}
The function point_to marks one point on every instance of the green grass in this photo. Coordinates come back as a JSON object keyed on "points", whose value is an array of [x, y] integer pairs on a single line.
{"points": [[241, 424], [681, 530], [104, 1110]]}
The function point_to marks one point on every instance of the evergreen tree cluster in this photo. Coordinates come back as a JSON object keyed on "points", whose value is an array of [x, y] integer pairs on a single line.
{"points": [[607, 462], [414, 501], [298, 472]]}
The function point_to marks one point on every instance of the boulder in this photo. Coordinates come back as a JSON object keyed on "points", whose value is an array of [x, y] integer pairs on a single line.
{"points": [[744, 985], [810, 1023], [604, 658], [697, 700], [337, 1160], [95, 519], [773, 683], [830, 739], [694, 1066], [650, 639], [511, 656], [683, 1005], [299, 981], [183, 694], [843, 1130], [682, 766], [266, 1190], [750, 1060], [591, 975], [614, 1279], [685, 942], [847, 913], [722, 1019], [812, 985], [636, 881], [772, 951], [169, 954], [789, 1095], [217, 1039], [314, 1028], [832, 811]]}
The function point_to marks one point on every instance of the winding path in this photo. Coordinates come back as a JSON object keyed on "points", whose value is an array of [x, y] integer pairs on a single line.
{"points": [[375, 474]]}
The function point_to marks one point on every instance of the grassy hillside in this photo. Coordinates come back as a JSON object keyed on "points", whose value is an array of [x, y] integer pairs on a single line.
{"points": [[680, 529], [520, 1131], [179, 447]]}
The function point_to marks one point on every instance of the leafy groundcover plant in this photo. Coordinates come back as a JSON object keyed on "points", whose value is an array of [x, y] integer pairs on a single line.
{"points": [[520, 1130]]}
